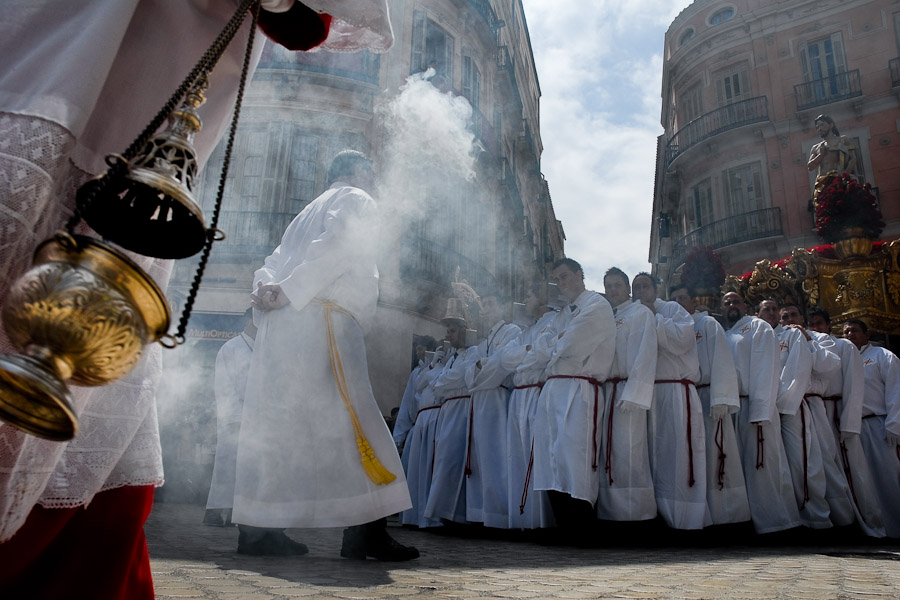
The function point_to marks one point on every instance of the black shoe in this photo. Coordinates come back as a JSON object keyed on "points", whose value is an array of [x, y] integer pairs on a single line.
{"points": [[372, 539], [213, 518], [273, 543]]}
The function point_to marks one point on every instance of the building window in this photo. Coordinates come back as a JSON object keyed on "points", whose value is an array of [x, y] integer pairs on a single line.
{"points": [[686, 37], [744, 189], [432, 47], [733, 84], [471, 82], [700, 206], [822, 59], [690, 105], [722, 15]]}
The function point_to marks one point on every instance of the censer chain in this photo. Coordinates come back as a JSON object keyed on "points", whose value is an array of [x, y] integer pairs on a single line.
{"points": [[118, 164], [212, 234]]}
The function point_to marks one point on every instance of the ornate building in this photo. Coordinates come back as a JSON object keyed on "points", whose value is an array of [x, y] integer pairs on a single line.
{"points": [[743, 82], [498, 231]]}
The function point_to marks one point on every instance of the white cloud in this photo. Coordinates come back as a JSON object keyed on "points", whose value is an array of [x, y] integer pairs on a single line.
{"points": [[600, 68]]}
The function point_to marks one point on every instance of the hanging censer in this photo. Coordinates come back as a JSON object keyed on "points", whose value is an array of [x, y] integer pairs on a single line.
{"points": [[84, 311]]}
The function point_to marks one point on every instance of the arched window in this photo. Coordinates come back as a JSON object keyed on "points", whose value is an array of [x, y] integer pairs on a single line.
{"points": [[686, 37], [722, 15]]}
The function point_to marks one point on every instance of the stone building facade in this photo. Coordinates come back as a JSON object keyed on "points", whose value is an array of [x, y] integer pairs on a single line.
{"points": [[743, 82], [498, 231]]}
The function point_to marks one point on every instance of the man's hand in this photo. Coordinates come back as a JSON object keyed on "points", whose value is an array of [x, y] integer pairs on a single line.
{"points": [[268, 297], [892, 439], [718, 411], [798, 328]]}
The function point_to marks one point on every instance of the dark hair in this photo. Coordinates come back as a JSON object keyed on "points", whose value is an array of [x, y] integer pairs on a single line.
{"points": [[572, 264], [862, 324], [617, 272], [828, 120], [818, 311], [678, 286], [652, 279], [345, 163], [769, 299]]}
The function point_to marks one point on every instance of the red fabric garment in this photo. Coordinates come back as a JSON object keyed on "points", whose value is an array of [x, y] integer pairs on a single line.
{"points": [[96, 552], [299, 28]]}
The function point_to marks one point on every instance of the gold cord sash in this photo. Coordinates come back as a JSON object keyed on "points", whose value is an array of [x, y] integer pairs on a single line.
{"points": [[376, 471]]}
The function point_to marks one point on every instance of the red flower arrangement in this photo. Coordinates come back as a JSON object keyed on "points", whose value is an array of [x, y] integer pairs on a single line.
{"points": [[845, 204], [703, 269]]}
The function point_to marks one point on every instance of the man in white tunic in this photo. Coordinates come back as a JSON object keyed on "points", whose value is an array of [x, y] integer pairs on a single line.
{"points": [[486, 487], [766, 471], [626, 484], [880, 434], [843, 399], [527, 357], [825, 363], [675, 423], [566, 435], [726, 492], [406, 413], [314, 448], [56, 129], [447, 497], [229, 384], [797, 356]]}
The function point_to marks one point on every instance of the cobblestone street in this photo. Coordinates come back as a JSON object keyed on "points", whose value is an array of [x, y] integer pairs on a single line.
{"points": [[190, 560]]}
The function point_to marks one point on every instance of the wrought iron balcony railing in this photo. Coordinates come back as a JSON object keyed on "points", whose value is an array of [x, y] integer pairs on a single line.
{"points": [[834, 88], [753, 225], [720, 120]]}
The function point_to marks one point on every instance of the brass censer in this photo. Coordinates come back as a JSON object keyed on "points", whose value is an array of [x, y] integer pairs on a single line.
{"points": [[84, 310]]}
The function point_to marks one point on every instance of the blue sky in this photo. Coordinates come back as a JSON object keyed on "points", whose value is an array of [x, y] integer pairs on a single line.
{"points": [[599, 63]]}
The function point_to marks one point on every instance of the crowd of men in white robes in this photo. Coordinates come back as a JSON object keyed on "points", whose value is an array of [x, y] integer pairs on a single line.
{"points": [[621, 408]]}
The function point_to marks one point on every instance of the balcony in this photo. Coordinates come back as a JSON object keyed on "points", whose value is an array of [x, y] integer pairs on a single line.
{"points": [[505, 65], [428, 261], [894, 65], [827, 90], [753, 225], [720, 120]]}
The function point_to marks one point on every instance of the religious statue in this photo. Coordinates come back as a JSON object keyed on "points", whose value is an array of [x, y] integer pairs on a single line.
{"points": [[834, 155]]}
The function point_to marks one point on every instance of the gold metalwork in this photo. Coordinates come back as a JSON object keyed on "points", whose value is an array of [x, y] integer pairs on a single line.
{"points": [[81, 313]]}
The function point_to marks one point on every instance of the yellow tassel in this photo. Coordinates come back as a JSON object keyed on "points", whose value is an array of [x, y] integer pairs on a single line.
{"points": [[375, 471]]}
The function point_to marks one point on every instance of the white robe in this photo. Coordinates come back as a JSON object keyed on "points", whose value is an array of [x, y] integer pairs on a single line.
{"points": [[837, 490], [726, 491], [767, 474], [626, 484], [797, 429], [486, 487], [406, 415], [527, 508], [418, 449], [447, 498], [229, 384], [675, 422], [567, 423], [881, 413], [843, 398], [298, 461]]}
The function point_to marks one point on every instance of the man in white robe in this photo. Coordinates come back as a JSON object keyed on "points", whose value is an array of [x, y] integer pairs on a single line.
{"points": [[797, 358], [880, 435], [56, 129], [566, 435], [726, 491], [486, 486], [843, 399], [447, 497], [675, 422], [406, 412], [527, 357], [825, 363], [229, 383], [754, 348], [626, 484], [314, 448]]}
